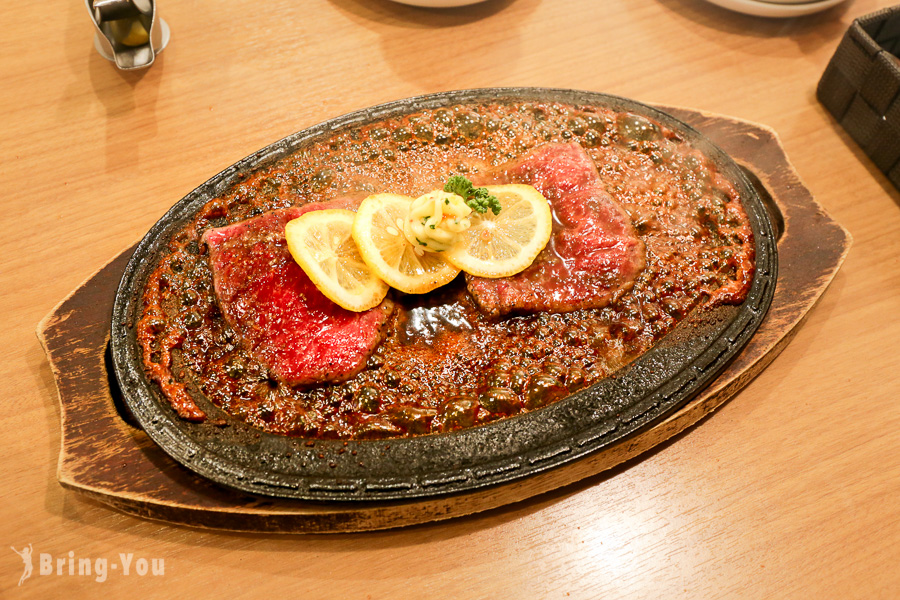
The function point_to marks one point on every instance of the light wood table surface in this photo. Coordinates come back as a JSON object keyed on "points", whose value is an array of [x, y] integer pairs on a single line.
{"points": [[791, 490]]}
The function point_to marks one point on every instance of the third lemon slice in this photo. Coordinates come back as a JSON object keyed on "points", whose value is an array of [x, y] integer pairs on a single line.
{"points": [[506, 243], [378, 232]]}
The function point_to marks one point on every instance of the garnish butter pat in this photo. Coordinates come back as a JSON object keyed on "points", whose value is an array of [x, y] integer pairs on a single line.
{"points": [[435, 221]]}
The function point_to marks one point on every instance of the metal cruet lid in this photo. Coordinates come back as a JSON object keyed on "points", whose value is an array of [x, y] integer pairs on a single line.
{"points": [[128, 32]]}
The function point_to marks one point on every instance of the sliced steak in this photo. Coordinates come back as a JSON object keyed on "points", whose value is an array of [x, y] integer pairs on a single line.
{"points": [[593, 252], [280, 316]]}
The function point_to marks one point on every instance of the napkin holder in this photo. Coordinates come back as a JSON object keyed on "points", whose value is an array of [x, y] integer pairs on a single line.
{"points": [[861, 88]]}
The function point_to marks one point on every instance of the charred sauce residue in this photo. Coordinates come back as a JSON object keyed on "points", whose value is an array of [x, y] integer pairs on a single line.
{"points": [[443, 365]]}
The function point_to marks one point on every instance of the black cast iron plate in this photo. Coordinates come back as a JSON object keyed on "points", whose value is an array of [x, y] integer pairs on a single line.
{"points": [[653, 386]]}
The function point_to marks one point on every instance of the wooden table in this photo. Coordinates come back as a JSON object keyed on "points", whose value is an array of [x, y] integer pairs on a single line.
{"points": [[789, 490]]}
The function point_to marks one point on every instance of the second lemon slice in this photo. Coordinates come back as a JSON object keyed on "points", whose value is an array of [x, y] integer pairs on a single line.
{"points": [[321, 243], [506, 243], [378, 232]]}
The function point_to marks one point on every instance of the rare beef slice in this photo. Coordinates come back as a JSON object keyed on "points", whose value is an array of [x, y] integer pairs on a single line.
{"points": [[279, 315], [593, 253]]}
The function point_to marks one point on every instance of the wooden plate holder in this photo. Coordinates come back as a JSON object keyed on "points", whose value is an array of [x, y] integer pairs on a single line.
{"points": [[107, 458]]}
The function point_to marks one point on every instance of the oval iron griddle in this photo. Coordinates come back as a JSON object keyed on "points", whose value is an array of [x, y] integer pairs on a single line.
{"points": [[654, 385]]}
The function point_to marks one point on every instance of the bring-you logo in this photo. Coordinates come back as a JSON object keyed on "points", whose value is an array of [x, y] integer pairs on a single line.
{"points": [[125, 564]]}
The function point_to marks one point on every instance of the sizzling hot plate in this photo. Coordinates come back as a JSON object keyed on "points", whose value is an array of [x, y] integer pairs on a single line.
{"points": [[654, 385]]}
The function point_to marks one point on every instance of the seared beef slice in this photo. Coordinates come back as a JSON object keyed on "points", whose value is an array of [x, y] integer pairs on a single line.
{"points": [[593, 252], [290, 326]]}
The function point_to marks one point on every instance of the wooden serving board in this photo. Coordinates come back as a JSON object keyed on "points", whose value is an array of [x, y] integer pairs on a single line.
{"points": [[106, 457]]}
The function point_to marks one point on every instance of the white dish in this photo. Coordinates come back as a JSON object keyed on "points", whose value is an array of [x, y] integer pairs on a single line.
{"points": [[438, 3], [788, 1], [774, 9]]}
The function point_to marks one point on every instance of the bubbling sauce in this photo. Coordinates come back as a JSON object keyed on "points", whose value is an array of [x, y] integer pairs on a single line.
{"points": [[443, 365]]}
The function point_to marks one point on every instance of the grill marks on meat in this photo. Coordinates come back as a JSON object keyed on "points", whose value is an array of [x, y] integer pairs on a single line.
{"points": [[283, 319], [593, 253]]}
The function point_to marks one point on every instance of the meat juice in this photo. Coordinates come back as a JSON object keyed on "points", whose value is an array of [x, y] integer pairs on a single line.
{"points": [[447, 360]]}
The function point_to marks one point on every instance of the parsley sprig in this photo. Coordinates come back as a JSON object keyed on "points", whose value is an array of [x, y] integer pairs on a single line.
{"points": [[478, 199]]}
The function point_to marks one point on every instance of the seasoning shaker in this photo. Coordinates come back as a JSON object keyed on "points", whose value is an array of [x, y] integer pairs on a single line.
{"points": [[128, 32]]}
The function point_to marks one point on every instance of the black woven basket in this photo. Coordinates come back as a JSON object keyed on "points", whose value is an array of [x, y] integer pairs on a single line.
{"points": [[861, 87]]}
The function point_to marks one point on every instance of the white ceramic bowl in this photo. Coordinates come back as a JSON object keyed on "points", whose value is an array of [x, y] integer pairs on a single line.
{"points": [[773, 8], [438, 3]]}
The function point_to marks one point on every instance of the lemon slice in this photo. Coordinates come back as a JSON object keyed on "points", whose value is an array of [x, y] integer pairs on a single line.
{"points": [[378, 232], [504, 244], [321, 243]]}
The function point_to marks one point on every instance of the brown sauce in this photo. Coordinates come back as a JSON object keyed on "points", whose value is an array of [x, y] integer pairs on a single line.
{"points": [[443, 365]]}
